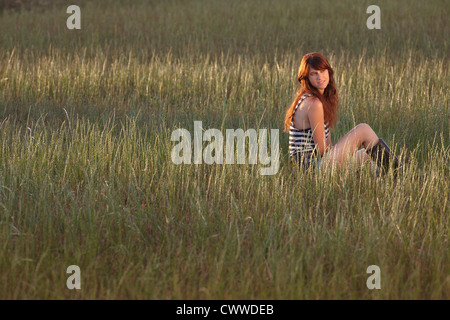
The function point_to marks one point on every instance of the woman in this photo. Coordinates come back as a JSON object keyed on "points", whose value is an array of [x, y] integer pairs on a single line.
{"points": [[314, 111]]}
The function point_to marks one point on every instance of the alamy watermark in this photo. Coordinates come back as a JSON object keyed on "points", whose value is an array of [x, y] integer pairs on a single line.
{"points": [[374, 281], [74, 20], [374, 21], [214, 151], [74, 281]]}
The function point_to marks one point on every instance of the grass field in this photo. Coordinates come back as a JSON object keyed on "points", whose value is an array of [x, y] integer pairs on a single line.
{"points": [[86, 176]]}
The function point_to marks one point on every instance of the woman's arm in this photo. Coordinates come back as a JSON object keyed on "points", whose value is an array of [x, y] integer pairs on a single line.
{"points": [[329, 145], [316, 120]]}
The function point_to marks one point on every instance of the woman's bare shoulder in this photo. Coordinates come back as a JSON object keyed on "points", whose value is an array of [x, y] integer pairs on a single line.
{"points": [[313, 104]]}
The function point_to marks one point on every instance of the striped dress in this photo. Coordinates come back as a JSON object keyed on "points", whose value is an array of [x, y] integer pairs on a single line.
{"points": [[301, 142]]}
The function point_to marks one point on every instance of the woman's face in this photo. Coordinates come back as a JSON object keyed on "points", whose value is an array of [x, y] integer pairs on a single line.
{"points": [[319, 78]]}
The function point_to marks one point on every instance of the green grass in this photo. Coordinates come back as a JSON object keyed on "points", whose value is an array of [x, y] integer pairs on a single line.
{"points": [[86, 176]]}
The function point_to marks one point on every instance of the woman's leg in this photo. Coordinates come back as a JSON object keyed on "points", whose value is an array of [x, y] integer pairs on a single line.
{"points": [[347, 147], [362, 157]]}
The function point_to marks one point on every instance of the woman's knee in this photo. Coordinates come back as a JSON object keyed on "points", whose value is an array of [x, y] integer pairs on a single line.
{"points": [[364, 131], [366, 134], [363, 127]]}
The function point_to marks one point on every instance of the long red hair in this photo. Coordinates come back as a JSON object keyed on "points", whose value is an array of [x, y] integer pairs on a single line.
{"points": [[329, 98]]}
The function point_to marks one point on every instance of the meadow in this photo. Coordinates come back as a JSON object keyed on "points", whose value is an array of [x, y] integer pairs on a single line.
{"points": [[86, 176]]}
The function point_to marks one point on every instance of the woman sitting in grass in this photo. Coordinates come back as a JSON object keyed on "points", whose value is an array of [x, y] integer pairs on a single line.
{"points": [[314, 111]]}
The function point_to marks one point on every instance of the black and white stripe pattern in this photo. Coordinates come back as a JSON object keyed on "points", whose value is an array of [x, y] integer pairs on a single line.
{"points": [[301, 142]]}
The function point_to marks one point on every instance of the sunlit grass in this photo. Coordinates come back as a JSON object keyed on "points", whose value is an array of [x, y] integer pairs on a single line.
{"points": [[86, 176]]}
